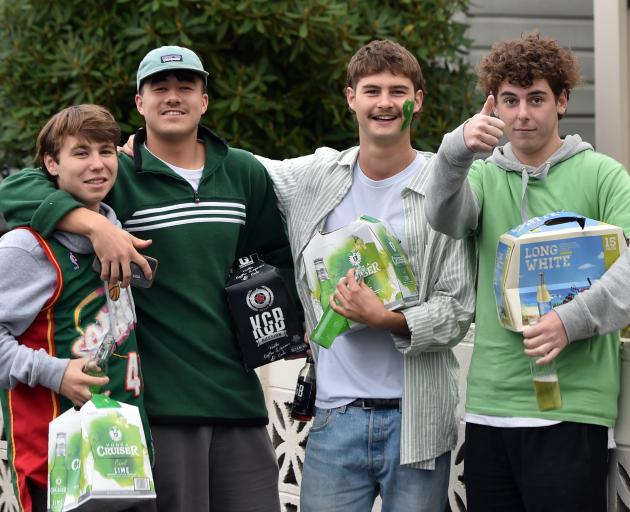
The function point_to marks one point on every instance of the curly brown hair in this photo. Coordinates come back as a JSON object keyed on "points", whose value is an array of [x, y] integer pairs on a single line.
{"points": [[522, 61]]}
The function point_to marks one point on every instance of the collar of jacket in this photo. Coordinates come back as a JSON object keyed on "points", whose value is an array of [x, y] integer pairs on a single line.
{"points": [[203, 133]]}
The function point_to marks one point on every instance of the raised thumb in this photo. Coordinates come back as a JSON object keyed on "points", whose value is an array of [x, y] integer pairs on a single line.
{"points": [[488, 106]]}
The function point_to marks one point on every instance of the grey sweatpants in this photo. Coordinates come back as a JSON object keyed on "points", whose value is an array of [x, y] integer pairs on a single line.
{"points": [[214, 469]]}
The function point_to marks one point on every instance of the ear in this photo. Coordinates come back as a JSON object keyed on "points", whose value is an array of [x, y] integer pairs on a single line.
{"points": [[51, 165], [419, 98], [350, 97], [562, 103], [139, 104], [204, 106]]}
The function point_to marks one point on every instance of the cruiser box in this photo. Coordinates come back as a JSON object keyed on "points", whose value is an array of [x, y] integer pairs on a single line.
{"points": [[547, 260], [369, 247], [107, 455], [266, 321]]}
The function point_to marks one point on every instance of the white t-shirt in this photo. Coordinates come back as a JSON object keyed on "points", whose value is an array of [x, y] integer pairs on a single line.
{"points": [[192, 176], [365, 363]]}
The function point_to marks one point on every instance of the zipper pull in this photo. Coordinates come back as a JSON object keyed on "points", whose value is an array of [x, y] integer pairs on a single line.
{"points": [[196, 197]]}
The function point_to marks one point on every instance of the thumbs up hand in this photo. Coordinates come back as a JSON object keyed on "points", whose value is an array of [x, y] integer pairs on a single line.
{"points": [[482, 132]]}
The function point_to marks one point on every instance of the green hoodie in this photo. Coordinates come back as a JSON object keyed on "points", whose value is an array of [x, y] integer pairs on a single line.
{"points": [[486, 202]]}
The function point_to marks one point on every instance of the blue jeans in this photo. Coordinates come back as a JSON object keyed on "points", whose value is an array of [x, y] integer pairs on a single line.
{"points": [[353, 455]]}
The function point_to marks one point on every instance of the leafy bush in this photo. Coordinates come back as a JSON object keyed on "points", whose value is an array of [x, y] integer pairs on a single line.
{"points": [[277, 67]]}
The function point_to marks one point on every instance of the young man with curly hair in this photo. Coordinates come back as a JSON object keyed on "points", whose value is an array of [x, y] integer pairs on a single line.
{"points": [[517, 457]]}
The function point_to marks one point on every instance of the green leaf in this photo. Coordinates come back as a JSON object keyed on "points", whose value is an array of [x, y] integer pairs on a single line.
{"points": [[303, 33]]}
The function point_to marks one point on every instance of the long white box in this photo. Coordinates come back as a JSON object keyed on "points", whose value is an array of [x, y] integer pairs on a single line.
{"points": [[547, 261]]}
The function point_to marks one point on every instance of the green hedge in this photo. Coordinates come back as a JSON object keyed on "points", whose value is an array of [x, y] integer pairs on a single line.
{"points": [[277, 67]]}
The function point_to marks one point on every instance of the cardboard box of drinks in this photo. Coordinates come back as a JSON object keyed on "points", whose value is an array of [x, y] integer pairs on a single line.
{"points": [[98, 458], [266, 320], [547, 260], [368, 246]]}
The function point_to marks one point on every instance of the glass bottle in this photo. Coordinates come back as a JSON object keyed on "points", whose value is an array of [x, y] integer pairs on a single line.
{"points": [[545, 378], [331, 324], [97, 365], [305, 390], [58, 475], [543, 297]]}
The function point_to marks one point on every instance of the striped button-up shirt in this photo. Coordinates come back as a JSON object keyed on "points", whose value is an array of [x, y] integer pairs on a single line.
{"points": [[308, 189]]}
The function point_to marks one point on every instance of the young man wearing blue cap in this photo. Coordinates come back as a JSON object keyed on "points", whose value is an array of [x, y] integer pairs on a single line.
{"points": [[203, 204]]}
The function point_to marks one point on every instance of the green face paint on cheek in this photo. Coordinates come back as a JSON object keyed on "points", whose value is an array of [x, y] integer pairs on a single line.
{"points": [[407, 114]]}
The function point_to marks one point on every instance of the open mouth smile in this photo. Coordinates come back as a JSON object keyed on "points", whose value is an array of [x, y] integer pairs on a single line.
{"points": [[96, 181], [384, 117], [173, 113]]}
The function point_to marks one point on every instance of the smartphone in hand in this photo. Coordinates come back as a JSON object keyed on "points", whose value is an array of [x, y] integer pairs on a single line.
{"points": [[137, 276]]}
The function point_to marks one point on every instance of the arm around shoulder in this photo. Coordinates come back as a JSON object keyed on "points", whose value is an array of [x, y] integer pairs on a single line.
{"points": [[286, 174], [31, 198], [265, 232]]}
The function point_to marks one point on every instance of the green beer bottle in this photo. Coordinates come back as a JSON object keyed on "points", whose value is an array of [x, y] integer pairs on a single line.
{"points": [[400, 262], [331, 324], [58, 475], [97, 365]]}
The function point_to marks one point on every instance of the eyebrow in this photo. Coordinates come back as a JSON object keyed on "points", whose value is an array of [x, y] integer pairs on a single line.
{"points": [[373, 86], [101, 145], [531, 93]]}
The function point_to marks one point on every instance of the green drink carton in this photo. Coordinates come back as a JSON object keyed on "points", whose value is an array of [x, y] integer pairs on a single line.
{"points": [[547, 260], [115, 465], [98, 458], [368, 246], [64, 461]]}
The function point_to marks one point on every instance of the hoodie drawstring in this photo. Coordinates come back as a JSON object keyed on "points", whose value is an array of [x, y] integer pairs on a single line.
{"points": [[540, 173]]}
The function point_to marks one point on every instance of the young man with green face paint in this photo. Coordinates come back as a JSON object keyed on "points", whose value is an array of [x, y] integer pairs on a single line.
{"points": [[386, 395]]}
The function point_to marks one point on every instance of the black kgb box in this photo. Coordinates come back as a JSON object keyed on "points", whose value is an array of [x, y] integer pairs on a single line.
{"points": [[264, 314]]}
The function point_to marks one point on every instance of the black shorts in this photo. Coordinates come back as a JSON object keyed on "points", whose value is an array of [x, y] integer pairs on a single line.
{"points": [[557, 468]]}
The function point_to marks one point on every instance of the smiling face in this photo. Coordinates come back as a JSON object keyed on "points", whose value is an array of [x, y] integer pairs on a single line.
{"points": [[85, 169], [531, 119], [377, 100], [172, 105]]}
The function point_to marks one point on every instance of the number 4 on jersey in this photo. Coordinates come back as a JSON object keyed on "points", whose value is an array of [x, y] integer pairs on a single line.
{"points": [[133, 382]]}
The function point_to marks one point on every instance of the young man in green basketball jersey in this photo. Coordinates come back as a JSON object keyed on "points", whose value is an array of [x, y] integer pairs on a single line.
{"points": [[54, 309]]}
